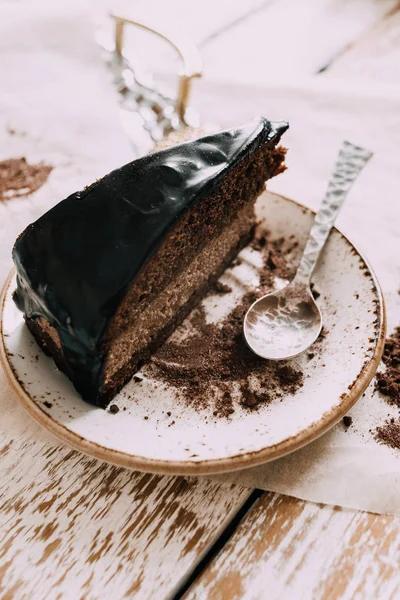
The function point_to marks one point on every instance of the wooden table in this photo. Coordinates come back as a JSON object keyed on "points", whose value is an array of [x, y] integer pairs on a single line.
{"points": [[74, 527]]}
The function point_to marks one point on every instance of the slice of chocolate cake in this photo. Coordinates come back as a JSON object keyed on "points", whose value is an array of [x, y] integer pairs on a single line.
{"points": [[108, 273]]}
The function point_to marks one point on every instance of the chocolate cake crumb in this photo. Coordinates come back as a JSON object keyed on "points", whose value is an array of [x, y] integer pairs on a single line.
{"points": [[270, 263], [347, 421], [18, 178], [137, 379], [252, 400], [221, 288], [114, 409], [310, 355], [212, 367], [12, 131], [389, 434], [47, 404], [316, 294], [388, 382]]}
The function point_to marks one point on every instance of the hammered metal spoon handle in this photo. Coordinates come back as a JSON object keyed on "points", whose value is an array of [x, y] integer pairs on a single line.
{"points": [[350, 161]]}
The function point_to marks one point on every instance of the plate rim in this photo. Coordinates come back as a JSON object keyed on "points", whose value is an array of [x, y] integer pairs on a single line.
{"points": [[206, 466]]}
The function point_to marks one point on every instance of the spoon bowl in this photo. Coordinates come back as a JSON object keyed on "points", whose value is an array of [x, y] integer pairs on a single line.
{"points": [[283, 323]]}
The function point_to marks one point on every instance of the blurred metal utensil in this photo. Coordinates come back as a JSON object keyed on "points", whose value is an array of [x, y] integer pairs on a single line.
{"points": [[148, 112]]}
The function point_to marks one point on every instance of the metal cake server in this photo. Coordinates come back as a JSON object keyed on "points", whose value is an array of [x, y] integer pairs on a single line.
{"points": [[286, 322]]}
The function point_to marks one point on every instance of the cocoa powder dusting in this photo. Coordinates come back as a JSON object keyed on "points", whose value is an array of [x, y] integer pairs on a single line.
{"points": [[18, 178], [389, 434], [213, 367], [388, 382]]}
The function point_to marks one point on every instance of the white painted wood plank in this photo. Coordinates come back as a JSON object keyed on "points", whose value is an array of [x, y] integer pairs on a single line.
{"points": [[75, 527], [375, 57], [290, 39], [294, 549]]}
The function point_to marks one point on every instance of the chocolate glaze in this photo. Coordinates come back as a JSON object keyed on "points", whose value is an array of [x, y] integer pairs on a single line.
{"points": [[76, 262]]}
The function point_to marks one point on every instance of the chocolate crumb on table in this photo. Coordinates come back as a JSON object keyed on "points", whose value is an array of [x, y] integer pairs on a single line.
{"points": [[19, 178], [212, 367], [389, 434], [388, 382]]}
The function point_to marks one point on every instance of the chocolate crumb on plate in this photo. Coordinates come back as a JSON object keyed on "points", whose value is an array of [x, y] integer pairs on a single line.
{"points": [[316, 294], [114, 409], [137, 378], [47, 404], [222, 288], [347, 421], [270, 262], [262, 241]]}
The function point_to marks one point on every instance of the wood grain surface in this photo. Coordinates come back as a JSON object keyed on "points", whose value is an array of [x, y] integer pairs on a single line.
{"points": [[374, 57], [75, 527], [291, 39], [286, 548]]}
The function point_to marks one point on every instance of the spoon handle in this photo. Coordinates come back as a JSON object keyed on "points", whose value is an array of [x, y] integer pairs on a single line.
{"points": [[350, 161]]}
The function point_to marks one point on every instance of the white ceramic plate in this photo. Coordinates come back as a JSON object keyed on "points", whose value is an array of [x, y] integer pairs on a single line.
{"points": [[141, 436]]}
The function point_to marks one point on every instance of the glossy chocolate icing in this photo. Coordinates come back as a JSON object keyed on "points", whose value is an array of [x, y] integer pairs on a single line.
{"points": [[76, 262]]}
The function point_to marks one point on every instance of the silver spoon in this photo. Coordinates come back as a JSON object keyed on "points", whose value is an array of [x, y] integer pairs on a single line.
{"points": [[286, 322]]}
